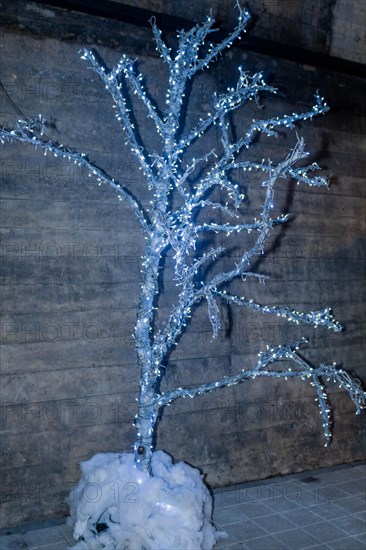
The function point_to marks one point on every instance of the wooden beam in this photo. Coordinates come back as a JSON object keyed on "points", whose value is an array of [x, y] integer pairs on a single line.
{"points": [[140, 16]]}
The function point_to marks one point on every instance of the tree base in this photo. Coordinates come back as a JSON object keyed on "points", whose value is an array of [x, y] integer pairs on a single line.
{"points": [[116, 506]]}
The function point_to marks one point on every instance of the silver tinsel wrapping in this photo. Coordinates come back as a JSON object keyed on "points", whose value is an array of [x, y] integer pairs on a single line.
{"points": [[166, 228]]}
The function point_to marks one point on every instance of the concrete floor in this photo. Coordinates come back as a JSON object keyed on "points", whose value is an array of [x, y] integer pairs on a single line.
{"points": [[324, 509]]}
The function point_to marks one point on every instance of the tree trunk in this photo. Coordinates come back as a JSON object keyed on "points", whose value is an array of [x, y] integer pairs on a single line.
{"points": [[148, 405]]}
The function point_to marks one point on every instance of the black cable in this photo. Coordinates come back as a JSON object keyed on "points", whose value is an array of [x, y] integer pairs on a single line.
{"points": [[12, 103], [20, 113]]}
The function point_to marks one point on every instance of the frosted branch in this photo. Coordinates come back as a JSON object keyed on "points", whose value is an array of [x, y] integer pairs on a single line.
{"points": [[125, 67], [160, 44], [25, 132], [192, 166], [265, 223], [181, 313], [213, 315], [249, 227], [186, 63], [323, 317], [217, 175], [174, 326], [247, 88], [268, 127], [263, 227], [216, 206], [300, 174], [115, 89], [214, 51], [305, 372]]}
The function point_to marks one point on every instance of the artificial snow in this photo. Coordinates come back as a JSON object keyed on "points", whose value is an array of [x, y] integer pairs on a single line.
{"points": [[116, 506]]}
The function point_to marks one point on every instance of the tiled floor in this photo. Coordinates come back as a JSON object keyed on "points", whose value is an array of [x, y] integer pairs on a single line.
{"points": [[324, 509]]}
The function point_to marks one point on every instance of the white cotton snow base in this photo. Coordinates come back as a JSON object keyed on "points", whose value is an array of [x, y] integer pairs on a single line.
{"points": [[169, 511]]}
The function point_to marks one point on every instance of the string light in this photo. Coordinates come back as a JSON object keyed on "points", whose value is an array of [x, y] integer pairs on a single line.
{"points": [[167, 227]]}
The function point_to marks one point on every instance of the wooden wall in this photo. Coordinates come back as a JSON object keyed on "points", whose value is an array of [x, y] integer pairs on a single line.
{"points": [[333, 27], [70, 260]]}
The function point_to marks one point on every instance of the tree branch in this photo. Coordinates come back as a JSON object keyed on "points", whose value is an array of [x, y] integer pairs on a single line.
{"points": [[125, 66], [267, 127], [323, 317], [24, 132], [186, 63], [265, 224], [306, 372], [182, 311], [249, 227], [115, 89], [214, 51], [247, 88], [160, 44]]}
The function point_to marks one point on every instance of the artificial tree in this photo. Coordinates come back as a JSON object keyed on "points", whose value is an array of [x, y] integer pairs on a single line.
{"points": [[181, 187]]}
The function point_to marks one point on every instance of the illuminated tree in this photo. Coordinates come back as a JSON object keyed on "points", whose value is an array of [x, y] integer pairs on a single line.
{"points": [[181, 187]]}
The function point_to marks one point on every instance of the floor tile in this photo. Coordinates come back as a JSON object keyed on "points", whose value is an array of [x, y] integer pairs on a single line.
{"points": [[43, 537], [266, 543], [329, 494], [242, 495], [352, 504], [258, 493], [352, 525], [329, 511], [235, 546], [227, 516], [245, 531], [320, 496], [222, 544], [275, 523], [360, 467], [296, 538], [282, 505], [225, 499], [254, 510], [357, 472], [361, 515], [51, 546], [302, 516], [349, 543], [354, 487], [337, 476], [325, 531], [66, 531]]}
